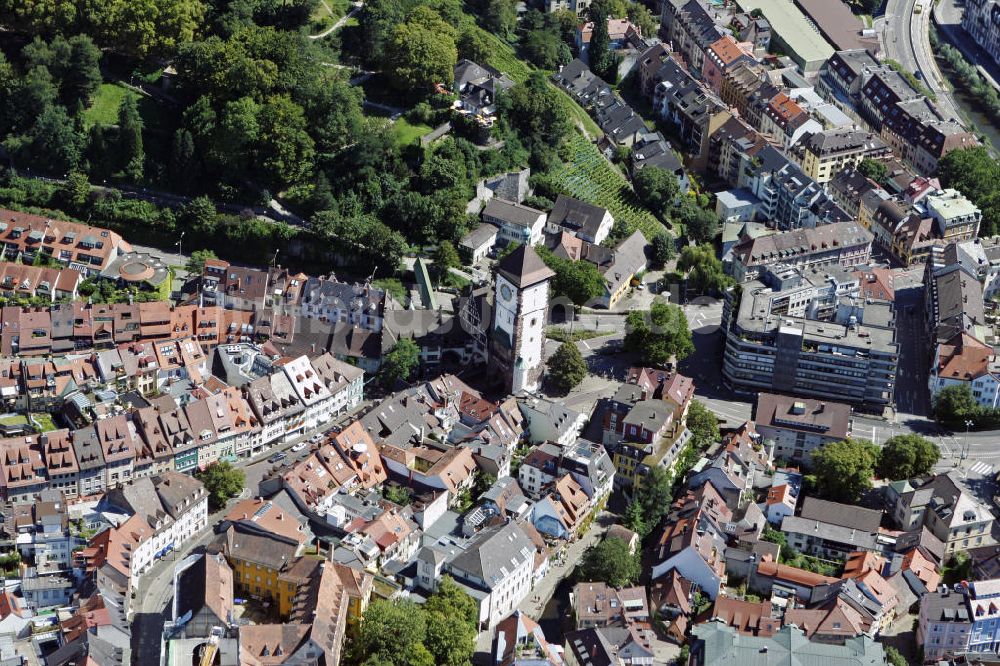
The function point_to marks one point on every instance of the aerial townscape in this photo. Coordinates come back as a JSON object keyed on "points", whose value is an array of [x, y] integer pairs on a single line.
{"points": [[499, 332]]}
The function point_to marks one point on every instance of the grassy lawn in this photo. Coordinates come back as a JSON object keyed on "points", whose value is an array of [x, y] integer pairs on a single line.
{"points": [[564, 335], [394, 288], [14, 420], [579, 115], [406, 133], [107, 99], [503, 57], [104, 110], [327, 13], [45, 421]]}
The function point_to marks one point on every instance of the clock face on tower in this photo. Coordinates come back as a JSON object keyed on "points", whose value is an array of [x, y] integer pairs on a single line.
{"points": [[505, 292]]}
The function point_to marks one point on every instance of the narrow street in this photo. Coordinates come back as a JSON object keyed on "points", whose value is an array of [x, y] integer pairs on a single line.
{"points": [[564, 565]]}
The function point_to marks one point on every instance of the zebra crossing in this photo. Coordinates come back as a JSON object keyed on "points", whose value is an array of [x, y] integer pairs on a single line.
{"points": [[981, 468]]}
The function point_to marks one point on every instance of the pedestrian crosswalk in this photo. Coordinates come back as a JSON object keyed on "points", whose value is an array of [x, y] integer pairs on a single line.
{"points": [[981, 468]]}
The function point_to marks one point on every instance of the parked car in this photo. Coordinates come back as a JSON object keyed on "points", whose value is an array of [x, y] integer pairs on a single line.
{"points": [[280, 455], [298, 447]]}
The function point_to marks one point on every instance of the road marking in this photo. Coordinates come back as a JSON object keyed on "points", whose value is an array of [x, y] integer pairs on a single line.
{"points": [[981, 468]]}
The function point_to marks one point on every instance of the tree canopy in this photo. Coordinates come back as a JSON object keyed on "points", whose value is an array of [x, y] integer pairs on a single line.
{"points": [[399, 363], [422, 52], [704, 270], [566, 368], [660, 335], [874, 169], [579, 281], [703, 424], [401, 633], [844, 469], [222, 482], [907, 456], [611, 562], [974, 173], [656, 188], [653, 496], [702, 224], [663, 249], [196, 262]]}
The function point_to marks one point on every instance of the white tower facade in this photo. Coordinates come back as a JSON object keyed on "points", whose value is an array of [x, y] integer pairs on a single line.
{"points": [[520, 311]]}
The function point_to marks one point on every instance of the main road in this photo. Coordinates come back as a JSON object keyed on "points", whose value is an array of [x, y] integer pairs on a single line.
{"points": [[905, 39]]}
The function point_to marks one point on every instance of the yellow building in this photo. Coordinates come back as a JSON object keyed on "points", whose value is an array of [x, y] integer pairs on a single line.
{"points": [[257, 561], [824, 154]]}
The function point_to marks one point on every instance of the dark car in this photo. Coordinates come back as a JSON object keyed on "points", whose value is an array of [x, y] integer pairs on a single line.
{"points": [[280, 455]]}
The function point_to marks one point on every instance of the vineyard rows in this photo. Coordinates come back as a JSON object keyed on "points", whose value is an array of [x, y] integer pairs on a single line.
{"points": [[589, 177]]}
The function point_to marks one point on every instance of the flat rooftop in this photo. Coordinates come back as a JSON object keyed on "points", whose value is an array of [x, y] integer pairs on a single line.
{"points": [[809, 47], [837, 23], [876, 332]]}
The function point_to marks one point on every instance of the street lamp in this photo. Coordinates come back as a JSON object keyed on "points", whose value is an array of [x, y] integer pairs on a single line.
{"points": [[180, 246], [965, 445]]}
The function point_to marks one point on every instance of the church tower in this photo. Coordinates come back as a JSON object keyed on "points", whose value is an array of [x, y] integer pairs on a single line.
{"points": [[520, 311]]}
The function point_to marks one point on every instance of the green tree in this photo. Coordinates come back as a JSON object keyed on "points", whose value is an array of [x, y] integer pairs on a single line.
{"points": [[196, 262], [222, 482], [445, 257], [957, 568], [52, 145], [501, 18], [566, 368], [703, 424], [333, 110], [74, 63], [452, 624], [634, 519], [602, 61], [660, 336], [894, 658], [774, 536], [473, 44], [422, 53], [663, 249], [399, 363], [184, 166], [640, 15], [579, 281], [199, 215], [33, 95], [874, 169], [130, 150], [974, 173], [392, 633], [955, 403], [704, 270], [844, 469], [610, 562], [535, 111], [77, 190], [656, 189], [907, 456], [145, 27], [285, 151], [400, 495], [545, 49], [654, 495], [702, 225]]}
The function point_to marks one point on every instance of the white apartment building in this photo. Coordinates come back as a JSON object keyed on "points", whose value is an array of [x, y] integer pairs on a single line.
{"points": [[311, 390]]}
